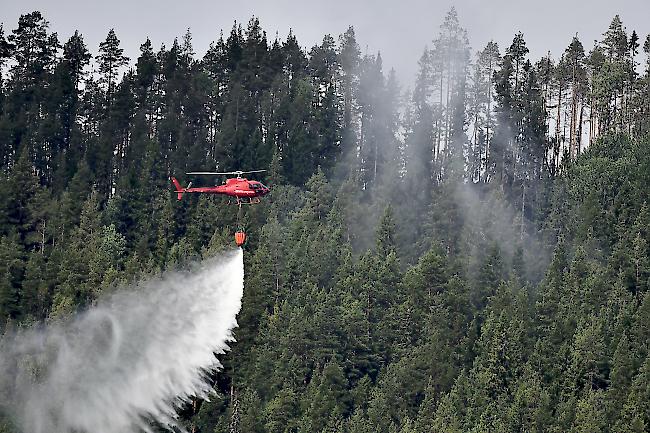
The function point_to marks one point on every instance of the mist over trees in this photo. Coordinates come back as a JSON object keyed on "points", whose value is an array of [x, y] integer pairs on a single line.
{"points": [[468, 255]]}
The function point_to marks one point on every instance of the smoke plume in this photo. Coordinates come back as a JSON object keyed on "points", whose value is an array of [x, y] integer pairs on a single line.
{"points": [[136, 355]]}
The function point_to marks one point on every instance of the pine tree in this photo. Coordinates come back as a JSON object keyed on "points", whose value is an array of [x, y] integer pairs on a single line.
{"points": [[481, 111], [110, 59], [33, 48], [34, 52], [76, 57]]}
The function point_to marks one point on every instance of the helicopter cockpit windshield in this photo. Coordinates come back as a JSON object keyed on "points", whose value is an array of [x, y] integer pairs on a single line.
{"points": [[258, 186]]}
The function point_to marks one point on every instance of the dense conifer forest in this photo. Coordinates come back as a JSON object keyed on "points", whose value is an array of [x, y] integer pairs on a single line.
{"points": [[469, 255]]}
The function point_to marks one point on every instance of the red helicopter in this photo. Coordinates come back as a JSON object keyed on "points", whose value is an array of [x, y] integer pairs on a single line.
{"points": [[243, 190]]}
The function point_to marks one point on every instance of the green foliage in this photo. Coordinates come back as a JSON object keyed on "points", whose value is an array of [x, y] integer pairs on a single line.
{"points": [[11, 273], [110, 60], [453, 263]]}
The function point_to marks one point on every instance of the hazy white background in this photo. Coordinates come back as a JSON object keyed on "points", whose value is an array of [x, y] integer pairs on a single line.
{"points": [[399, 29]]}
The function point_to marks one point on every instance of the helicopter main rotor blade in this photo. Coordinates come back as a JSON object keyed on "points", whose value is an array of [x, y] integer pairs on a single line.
{"points": [[213, 173], [209, 173]]}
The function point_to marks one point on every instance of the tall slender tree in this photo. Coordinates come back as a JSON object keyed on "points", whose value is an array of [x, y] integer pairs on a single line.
{"points": [[111, 58]]}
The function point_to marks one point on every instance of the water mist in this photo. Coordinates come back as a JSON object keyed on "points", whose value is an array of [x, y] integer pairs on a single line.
{"points": [[137, 354]]}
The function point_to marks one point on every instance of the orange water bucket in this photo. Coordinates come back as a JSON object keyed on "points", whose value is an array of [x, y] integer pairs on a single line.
{"points": [[240, 238]]}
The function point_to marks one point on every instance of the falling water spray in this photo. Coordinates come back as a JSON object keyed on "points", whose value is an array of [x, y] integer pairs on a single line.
{"points": [[136, 355]]}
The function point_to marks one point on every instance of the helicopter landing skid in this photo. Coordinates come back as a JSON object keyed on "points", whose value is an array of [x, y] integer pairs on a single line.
{"points": [[239, 202]]}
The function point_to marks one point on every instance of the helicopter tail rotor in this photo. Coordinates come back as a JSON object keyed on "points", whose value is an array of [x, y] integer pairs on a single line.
{"points": [[179, 189]]}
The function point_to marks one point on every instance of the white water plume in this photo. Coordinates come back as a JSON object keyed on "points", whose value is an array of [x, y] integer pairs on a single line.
{"points": [[138, 354]]}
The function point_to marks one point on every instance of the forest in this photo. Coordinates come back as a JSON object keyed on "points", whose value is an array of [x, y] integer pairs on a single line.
{"points": [[471, 254]]}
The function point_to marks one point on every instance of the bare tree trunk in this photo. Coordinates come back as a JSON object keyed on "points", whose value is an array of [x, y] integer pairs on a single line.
{"points": [[592, 116], [445, 152], [523, 207], [516, 75], [476, 150], [547, 121], [557, 128], [360, 145], [194, 410], [43, 237], [233, 427], [368, 305], [438, 159], [582, 112], [564, 134], [374, 176], [574, 115], [488, 120]]}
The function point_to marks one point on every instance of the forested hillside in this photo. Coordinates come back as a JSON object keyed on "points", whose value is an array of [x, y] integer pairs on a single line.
{"points": [[469, 255]]}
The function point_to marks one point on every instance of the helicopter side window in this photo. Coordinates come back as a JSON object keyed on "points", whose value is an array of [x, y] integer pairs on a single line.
{"points": [[254, 185]]}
